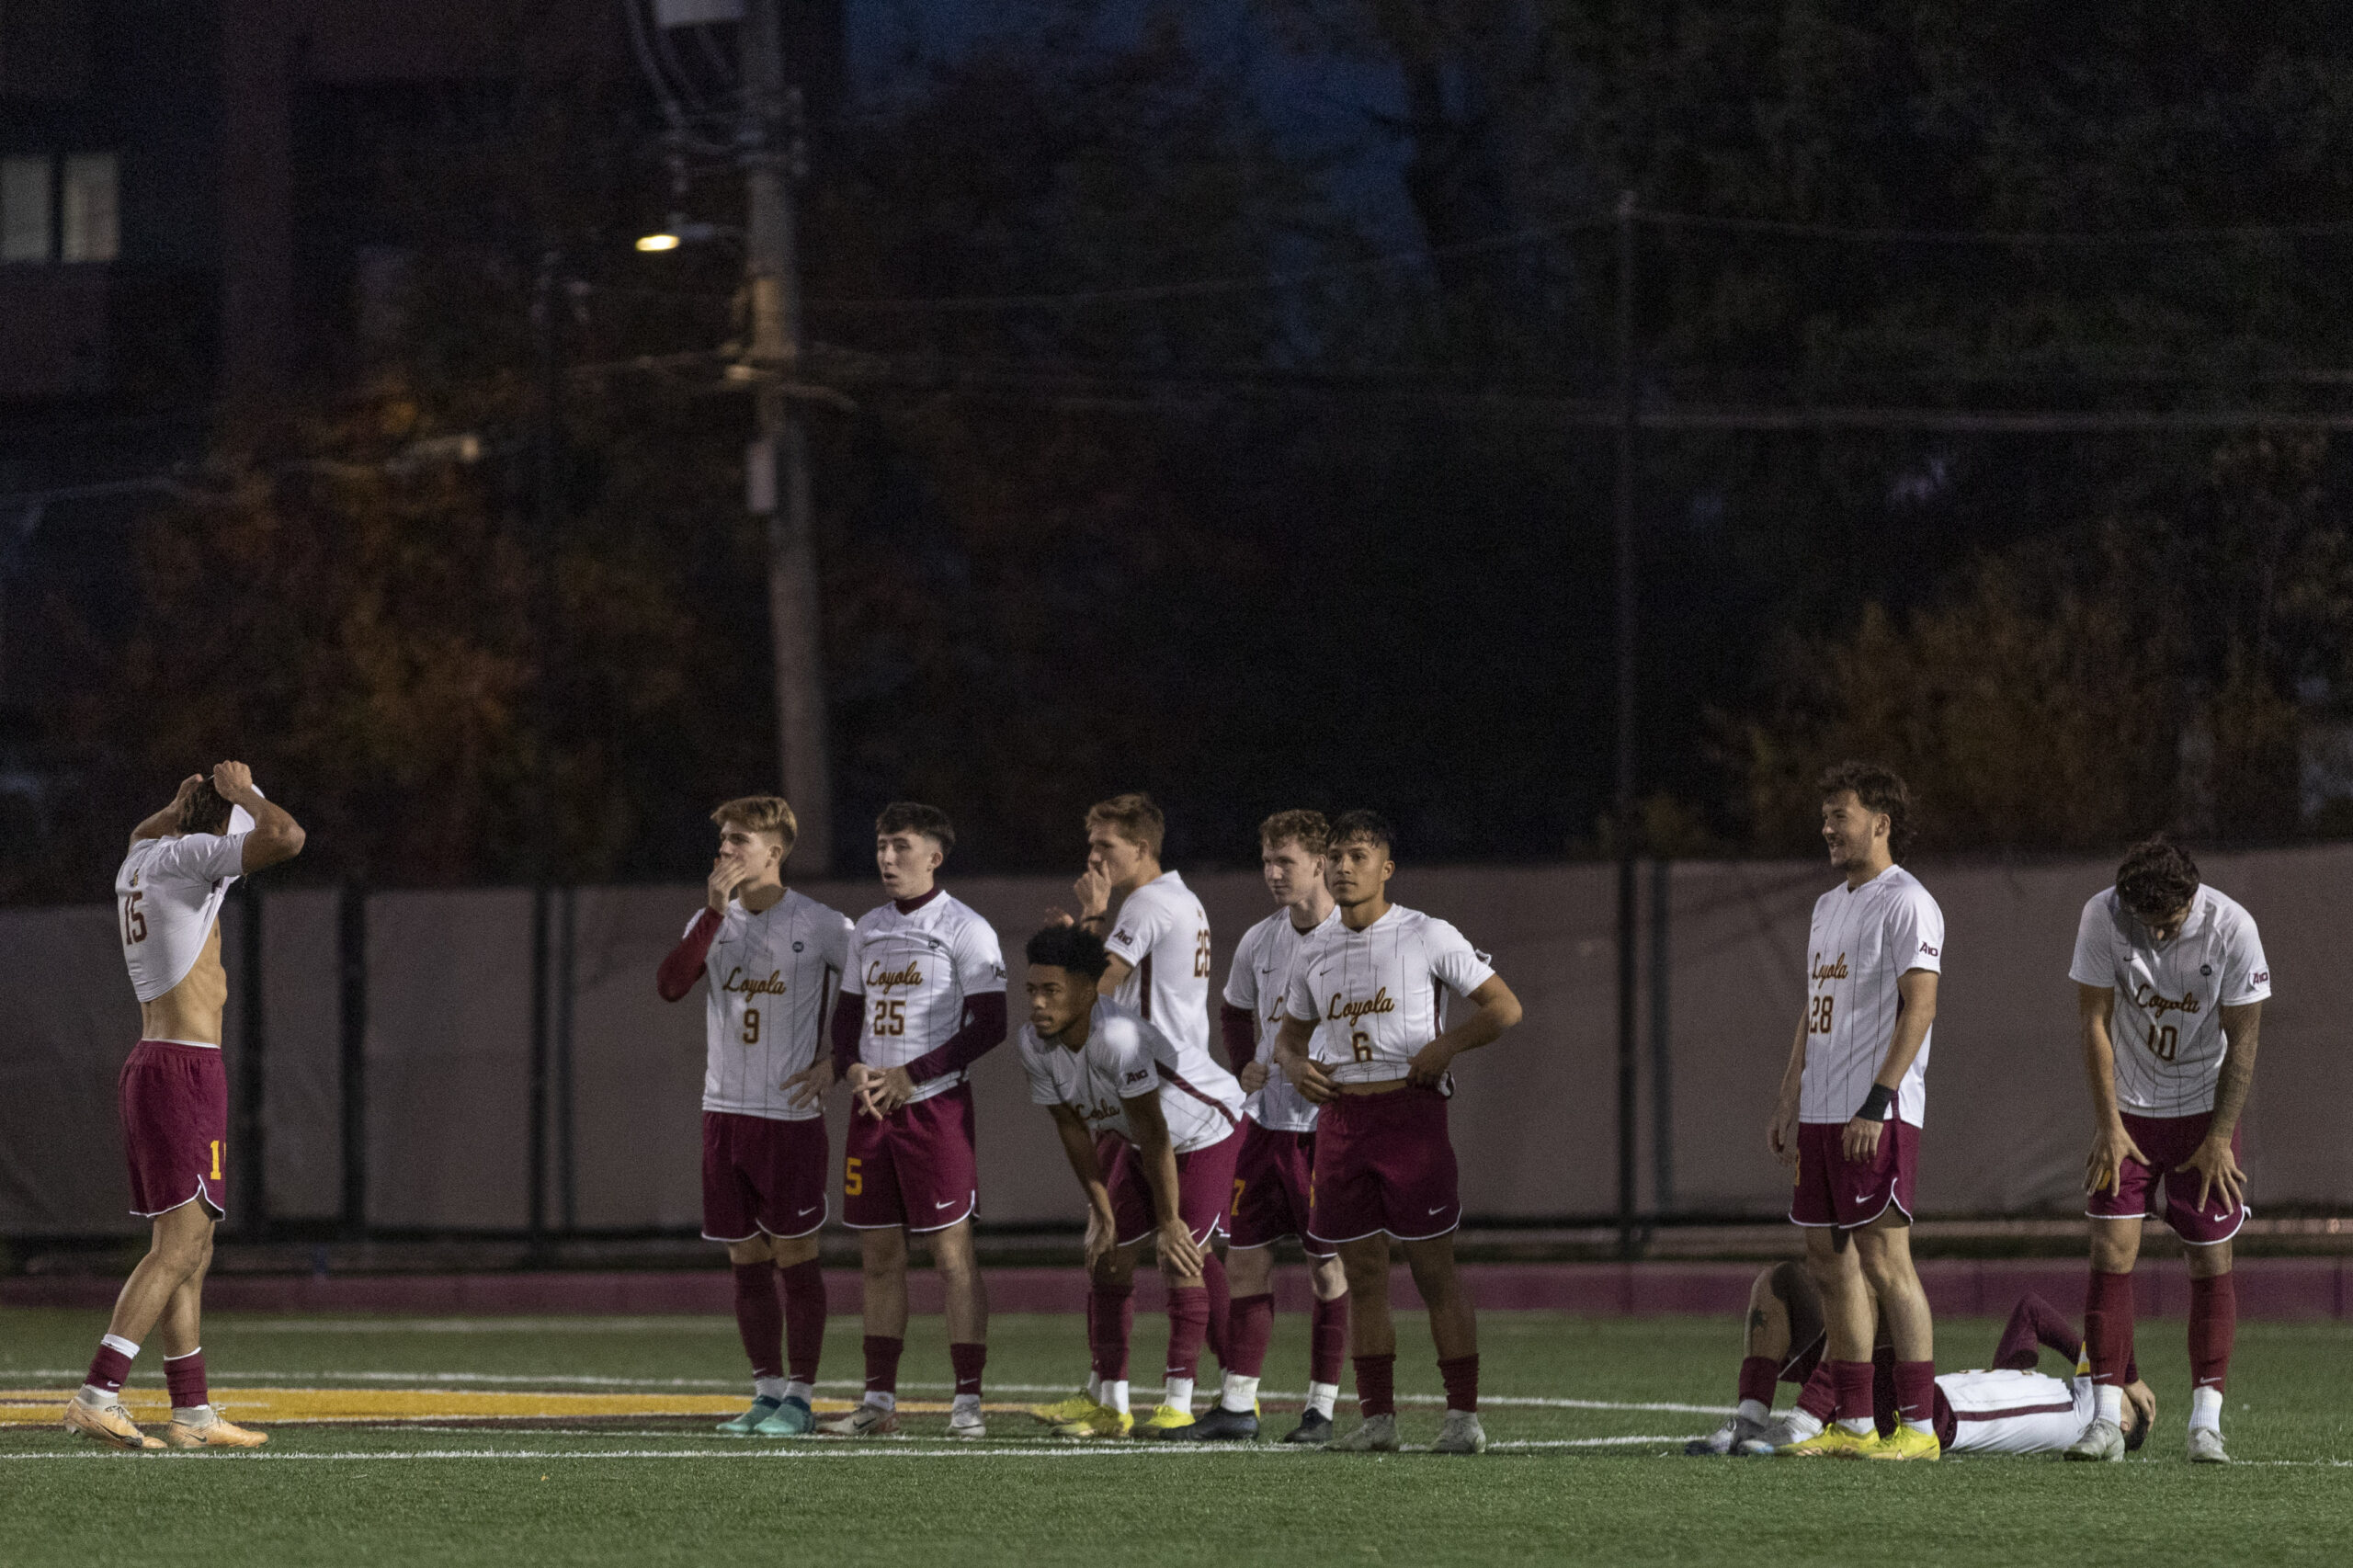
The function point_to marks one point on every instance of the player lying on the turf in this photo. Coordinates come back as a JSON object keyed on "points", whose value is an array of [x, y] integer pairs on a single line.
{"points": [[1170, 1114], [2008, 1409]]}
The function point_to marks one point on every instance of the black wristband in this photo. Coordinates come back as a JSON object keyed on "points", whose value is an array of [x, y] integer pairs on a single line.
{"points": [[1877, 1104]]}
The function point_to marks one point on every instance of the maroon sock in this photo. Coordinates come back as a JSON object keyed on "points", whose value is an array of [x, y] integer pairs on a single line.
{"points": [[1249, 1329], [804, 1317], [758, 1319], [1327, 1340], [183, 1375], [1220, 1295], [2213, 1323], [1916, 1392], [1819, 1398], [2107, 1326], [1883, 1400], [109, 1368], [1852, 1380], [968, 1358], [1757, 1376], [1188, 1325], [1460, 1374], [882, 1363], [1114, 1312], [1377, 1384]]}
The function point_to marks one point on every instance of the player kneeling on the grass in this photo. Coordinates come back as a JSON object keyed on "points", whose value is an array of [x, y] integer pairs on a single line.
{"points": [[1170, 1115], [2170, 981], [2010, 1408], [1360, 1038], [774, 960], [175, 1095]]}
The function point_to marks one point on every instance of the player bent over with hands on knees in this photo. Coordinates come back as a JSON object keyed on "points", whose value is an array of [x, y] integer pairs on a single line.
{"points": [[175, 1095], [1169, 1115], [1852, 1106], [1360, 1038], [2010, 1408], [923, 999], [2170, 981], [774, 960]]}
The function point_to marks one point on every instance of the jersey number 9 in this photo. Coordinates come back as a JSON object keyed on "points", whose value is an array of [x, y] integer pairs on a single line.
{"points": [[751, 1025]]}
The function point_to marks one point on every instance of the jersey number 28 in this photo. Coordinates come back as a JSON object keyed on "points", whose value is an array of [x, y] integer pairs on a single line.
{"points": [[1817, 1015]]}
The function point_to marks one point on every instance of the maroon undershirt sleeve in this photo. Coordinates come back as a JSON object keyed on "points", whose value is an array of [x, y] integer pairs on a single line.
{"points": [[1236, 1026], [982, 1032], [684, 966], [849, 1018]]}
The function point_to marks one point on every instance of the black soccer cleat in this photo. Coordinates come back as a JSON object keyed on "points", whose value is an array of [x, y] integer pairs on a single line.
{"points": [[1223, 1425], [1315, 1429]]}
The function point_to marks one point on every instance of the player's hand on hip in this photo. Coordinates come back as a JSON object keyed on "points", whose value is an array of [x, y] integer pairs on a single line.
{"points": [[2218, 1172], [1429, 1064], [2104, 1167], [1180, 1254], [1861, 1142], [234, 780], [1309, 1077], [807, 1086], [1253, 1077]]}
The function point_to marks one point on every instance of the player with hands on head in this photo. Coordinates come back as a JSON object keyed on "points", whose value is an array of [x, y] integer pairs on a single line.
{"points": [[2170, 982], [174, 1094], [774, 961]]}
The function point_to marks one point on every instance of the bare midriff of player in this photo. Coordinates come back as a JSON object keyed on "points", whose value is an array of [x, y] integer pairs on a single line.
{"points": [[773, 961], [1361, 1039], [1852, 1106], [923, 999], [2170, 982], [175, 1100]]}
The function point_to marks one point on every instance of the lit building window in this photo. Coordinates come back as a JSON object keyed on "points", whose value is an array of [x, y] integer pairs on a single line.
{"points": [[24, 209], [91, 229]]}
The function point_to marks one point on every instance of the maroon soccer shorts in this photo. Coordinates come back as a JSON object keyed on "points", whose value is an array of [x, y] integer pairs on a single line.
{"points": [[762, 1175], [174, 1100], [1204, 1182], [1384, 1162], [1835, 1191], [915, 1167], [1270, 1186], [2169, 1140]]}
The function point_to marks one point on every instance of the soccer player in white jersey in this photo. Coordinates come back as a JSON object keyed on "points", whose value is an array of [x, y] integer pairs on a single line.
{"points": [[1361, 1038], [1158, 938], [923, 999], [2170, 980], [1852, 1106], [175, 1095], [1274, 1176], [1171, 1117], [2009, 1408], [774, 960]]}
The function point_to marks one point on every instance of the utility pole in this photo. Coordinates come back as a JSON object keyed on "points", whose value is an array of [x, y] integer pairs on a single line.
{"points": [[1624, 808], [776, 466]]}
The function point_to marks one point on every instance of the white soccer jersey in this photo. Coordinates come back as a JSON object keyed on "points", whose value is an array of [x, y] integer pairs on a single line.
{"points": [[1124, 1058], [771, 976], [1373, 995], [1863, 940], [2168, 1027], [167, 896], [911, 973], [1260, 974], [2015, 1413], [1163, 931]]}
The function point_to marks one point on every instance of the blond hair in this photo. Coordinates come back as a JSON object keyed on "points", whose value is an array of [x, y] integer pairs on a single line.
{"points": [[1133, 817], [761, 813]]}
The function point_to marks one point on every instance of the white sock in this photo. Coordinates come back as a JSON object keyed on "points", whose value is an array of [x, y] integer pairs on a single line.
{"points": [[1803, 1424], [1928, 1426], [1095, 1388], [1177, 1393], [1755, 1410], [1239, 1395], [795, 1389], [2206, 1408], [769, 1388], [192, 1416], [1862, 1428], [116, 1342], [881, 1401], [1115, 1394], [2111, 1403], [1322, 1397]]}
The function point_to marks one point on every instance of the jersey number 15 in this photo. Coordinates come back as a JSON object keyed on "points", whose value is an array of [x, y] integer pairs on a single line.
{"points": [[134, 919]]}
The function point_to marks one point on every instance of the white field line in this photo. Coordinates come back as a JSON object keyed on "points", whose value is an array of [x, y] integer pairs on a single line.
{"points": [[965, 1451]]}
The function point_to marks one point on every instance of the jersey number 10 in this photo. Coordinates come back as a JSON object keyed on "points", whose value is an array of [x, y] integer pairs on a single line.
{"points": [[2165, 1041]]}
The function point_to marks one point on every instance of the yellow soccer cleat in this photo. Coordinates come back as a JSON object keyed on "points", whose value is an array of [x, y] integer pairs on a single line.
{"points": [[1080, 1406], [1167, 1422], [1903, 1443], [1105, 1423], [213, 1433], [109, 1424], [1833, 1442]]}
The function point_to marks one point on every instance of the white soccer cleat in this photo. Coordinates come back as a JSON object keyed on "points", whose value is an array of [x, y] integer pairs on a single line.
{"points": [[1460, 1434], [1771, 1437], [965, 1421], [2206, 1446], [866, 1421], [2103, 1440], [1376, 1435], [1728, 1437]]}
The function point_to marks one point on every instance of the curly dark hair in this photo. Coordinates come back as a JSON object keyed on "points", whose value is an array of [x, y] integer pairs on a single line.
{"points": [[1074, 947], [204, 810], [2156, 879], [1880, 790]]}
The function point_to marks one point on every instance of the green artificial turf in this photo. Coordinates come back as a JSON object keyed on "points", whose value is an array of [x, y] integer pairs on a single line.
{"points": [[1017, 1498]]}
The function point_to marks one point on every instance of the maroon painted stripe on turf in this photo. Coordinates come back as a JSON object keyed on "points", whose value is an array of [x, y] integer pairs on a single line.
{"points": [[2010, 1410]]}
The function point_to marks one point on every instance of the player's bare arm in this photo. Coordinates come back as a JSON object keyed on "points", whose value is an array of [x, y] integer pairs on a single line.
{"points": [[276, 836], [1915, 992], [1179, 1254], [1781, 1132], [1078, 1148], [167, 820], [2111, 1145], [1290, 1055], [1497, 1010], [2217, 1168]]}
